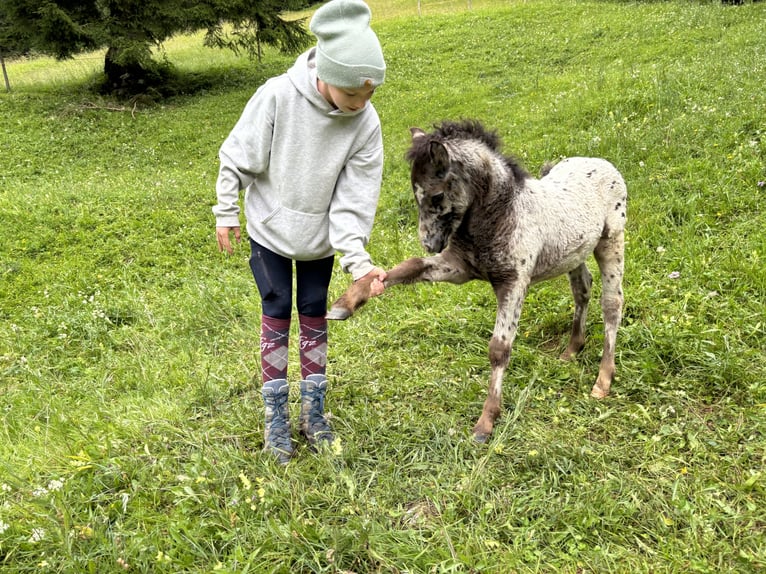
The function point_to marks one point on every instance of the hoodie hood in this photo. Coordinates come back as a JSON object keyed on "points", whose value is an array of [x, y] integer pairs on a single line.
{"points": [[303, 75]]}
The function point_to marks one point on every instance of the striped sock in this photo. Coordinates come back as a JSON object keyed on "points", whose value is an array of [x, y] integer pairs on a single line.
{"points": [[313, 345], [275, 335]]}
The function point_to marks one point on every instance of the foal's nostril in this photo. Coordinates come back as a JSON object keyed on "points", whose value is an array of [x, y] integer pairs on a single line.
{"points": [[433, 244]]}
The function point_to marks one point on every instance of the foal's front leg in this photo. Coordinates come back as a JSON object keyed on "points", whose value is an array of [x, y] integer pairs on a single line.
{"points": [[509, 302], [442, 267]]}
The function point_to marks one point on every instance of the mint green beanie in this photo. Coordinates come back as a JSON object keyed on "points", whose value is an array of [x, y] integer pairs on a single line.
{"points": [[348, 51]]}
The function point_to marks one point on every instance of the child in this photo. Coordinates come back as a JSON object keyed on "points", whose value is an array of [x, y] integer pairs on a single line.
{"points": [[308, 151]]}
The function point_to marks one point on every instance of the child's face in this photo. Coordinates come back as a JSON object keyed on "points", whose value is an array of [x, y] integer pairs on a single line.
{"points": [[349, 99]]}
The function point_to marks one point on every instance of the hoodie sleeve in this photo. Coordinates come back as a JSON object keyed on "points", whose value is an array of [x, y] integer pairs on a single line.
{"points": [[353, 207], [243, 155]]}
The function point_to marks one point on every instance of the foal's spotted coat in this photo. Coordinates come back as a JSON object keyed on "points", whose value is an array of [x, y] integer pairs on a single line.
{"points": [[487, 218]]}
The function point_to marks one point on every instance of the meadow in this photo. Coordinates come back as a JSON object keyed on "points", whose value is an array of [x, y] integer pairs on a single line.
{"points": [[131, 418]]}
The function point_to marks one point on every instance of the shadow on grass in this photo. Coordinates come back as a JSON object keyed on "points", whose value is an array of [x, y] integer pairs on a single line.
{"points": [[167, 82]]}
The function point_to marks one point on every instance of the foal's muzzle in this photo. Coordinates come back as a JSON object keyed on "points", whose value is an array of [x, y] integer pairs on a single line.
{"points": [[433, 244]]}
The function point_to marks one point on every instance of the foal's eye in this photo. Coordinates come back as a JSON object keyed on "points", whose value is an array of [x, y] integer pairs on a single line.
{"points": [[437, 199]]}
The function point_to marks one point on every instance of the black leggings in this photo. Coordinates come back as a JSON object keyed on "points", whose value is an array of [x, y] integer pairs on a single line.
{"points": [[274, 277]]}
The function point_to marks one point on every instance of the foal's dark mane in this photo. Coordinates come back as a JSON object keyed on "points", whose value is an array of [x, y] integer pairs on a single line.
{"points": [[466, 130]]}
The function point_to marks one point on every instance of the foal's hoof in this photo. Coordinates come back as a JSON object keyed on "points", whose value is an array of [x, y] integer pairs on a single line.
{"points": [[338, 314], [598, 393], [480, 438]]}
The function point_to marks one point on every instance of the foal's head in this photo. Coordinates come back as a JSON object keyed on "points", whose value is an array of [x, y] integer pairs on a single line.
{"points": [[449, 165]]}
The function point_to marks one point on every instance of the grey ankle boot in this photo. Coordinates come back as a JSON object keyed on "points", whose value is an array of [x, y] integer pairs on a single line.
{"points": [[314, 425], [277, 430]]}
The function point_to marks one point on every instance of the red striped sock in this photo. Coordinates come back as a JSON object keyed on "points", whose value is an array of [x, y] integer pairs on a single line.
{"points": [[275, 335], [313, 345]]}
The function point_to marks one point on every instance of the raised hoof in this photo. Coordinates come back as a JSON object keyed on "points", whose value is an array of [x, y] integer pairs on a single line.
{"points": [[480, 438], [338, 314]]}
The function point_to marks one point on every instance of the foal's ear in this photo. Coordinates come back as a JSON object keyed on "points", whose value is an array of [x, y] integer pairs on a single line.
{"points": [[437, 151], [417, 133]]}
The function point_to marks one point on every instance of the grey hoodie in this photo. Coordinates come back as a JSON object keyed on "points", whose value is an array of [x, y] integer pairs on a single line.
{"points": [[311, 173]]}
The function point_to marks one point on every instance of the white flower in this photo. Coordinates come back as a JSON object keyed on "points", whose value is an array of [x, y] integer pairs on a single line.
{"points": [[4, 526], [37, 535]]}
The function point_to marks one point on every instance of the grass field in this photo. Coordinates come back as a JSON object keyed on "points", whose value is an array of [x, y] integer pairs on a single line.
{"points": [[131, 422]]}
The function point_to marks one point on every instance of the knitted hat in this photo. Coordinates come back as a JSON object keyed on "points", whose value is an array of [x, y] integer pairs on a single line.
{"points": [[348, 52]]}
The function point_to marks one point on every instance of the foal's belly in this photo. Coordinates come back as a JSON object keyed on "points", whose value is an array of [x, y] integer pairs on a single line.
{"points": [[559, 258]]}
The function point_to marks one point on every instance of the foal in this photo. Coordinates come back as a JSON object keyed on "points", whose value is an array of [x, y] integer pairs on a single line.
{"points": [[486, 218]]}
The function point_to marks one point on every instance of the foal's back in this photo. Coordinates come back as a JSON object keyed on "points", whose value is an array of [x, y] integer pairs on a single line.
{"points": [[578, 202]]}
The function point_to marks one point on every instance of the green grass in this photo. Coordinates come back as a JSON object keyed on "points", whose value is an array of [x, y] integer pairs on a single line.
{"points": [[131, 419]]}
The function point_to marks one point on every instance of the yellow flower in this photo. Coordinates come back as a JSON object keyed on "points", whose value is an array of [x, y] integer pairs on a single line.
{"points": [[246, 484], [83, 532]]}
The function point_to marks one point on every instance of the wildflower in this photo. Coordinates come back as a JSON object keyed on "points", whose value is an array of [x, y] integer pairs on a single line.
{"points": [[246, 484], [533, 453], [37, 535], [498, 449], [83, 532], [39, 492], [4, 526], [762, 184], [55, 485], [674, 275], [660, 249]]}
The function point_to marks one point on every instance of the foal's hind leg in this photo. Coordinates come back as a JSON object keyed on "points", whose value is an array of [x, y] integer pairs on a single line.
{"points": [[609, 254], [580, 280]]}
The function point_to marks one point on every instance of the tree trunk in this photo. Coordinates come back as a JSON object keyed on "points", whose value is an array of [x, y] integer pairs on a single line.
{"points": [[125, 78], [5, 73]]}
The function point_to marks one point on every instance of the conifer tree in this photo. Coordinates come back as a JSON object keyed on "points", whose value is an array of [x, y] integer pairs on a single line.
{"points": [[130, 29]]}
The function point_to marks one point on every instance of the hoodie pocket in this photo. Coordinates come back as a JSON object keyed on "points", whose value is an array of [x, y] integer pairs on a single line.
{"points": [[299, 234]]}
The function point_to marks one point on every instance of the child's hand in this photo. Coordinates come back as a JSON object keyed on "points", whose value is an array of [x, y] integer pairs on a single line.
{"points": [[377, 287], [222, 235]]}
